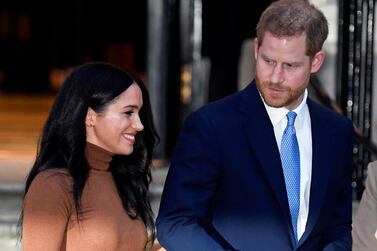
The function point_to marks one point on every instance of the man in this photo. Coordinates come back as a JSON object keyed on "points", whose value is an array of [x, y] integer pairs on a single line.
{"points": [[364, 232], [264, 169]]}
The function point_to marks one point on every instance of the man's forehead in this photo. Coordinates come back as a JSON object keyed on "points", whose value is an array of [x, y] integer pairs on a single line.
{"points": [[285, 37]]}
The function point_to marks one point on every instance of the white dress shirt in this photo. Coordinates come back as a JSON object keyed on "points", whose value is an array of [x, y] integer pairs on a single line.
{"points": [[304, 137]]}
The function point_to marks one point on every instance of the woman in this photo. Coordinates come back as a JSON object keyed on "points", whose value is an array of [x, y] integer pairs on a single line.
{"points": [[364, 228], [88, 188]]}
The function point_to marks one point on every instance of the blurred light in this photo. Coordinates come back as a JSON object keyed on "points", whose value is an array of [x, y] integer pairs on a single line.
{"points": [[57, 77], [186, 91]]}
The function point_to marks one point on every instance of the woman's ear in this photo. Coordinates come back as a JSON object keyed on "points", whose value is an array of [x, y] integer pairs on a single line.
{"points": [[90, 117]]}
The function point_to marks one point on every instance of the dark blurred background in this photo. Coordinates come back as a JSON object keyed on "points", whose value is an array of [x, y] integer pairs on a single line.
{"points": [[39, 44], [187, 52]]}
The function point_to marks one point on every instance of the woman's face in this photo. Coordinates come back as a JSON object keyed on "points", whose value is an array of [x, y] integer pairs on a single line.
{"points": [[115, 128]]}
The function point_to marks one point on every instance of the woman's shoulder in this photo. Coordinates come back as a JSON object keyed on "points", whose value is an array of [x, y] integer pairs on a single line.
{"points": [[373, 165], [52, 181], [372, 169], [54, 175], [371, 182], [49, 194]]}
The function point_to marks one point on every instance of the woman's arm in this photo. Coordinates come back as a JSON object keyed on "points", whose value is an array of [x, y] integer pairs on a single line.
{"points": [[46, 212]]}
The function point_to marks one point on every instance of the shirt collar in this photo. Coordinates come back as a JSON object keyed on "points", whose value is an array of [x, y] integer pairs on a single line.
{"points": [[278, 114]]}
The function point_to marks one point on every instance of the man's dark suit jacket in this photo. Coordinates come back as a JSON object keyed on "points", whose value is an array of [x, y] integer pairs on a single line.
{"points": [[225, 188]]}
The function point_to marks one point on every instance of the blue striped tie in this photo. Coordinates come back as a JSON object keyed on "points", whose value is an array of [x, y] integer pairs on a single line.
{"points": [[290, 160]]}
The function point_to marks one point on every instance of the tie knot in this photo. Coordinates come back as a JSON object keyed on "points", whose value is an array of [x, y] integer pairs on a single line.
{"points": [[291, 116]]}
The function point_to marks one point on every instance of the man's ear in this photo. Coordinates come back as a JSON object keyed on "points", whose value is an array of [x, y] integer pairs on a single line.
{"points": [[90, 119], [256, 47], [317, 61]]}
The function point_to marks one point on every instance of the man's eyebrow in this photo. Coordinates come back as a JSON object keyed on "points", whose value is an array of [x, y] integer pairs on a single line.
{"points": [[265, 56], [295, 63]]}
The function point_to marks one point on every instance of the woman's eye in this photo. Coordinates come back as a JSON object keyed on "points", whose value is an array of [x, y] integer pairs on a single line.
{"points": [[128, 113]]}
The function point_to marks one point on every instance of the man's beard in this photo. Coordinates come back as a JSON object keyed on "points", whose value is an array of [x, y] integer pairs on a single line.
{"points": [[288, 97]]}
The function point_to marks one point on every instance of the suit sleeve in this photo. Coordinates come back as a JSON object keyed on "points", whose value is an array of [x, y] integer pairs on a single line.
{"points": [[338, 234], [365, 223], [182, 223], [46, 213]]}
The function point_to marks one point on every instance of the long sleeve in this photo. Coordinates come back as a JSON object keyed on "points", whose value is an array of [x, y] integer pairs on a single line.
{"points": [[365, 223], [182, 222], [338, 234], [46, 212]]}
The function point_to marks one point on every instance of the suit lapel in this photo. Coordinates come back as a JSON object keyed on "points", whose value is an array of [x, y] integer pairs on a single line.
{"points": [[263, 143], [261, 136], [320, 168]]}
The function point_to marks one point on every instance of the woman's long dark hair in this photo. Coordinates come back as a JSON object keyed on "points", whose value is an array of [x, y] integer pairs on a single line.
{"points": [[63, 139]]}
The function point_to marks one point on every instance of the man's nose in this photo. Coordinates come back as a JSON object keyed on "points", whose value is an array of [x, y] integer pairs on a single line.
{"points": [[277, 75]]}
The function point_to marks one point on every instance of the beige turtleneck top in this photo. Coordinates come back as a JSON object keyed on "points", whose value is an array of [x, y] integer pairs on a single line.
{"points": [[50, 221]]}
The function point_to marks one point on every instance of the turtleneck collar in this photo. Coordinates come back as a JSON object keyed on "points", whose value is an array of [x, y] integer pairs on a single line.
{"points": [[98, 158]]}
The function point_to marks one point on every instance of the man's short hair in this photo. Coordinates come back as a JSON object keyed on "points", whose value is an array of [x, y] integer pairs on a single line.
{"points": [[286, 18]]}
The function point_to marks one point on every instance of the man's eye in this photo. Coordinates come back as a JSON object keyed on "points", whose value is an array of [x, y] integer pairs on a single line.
{"points": [[290, 66], [268, 61]]}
